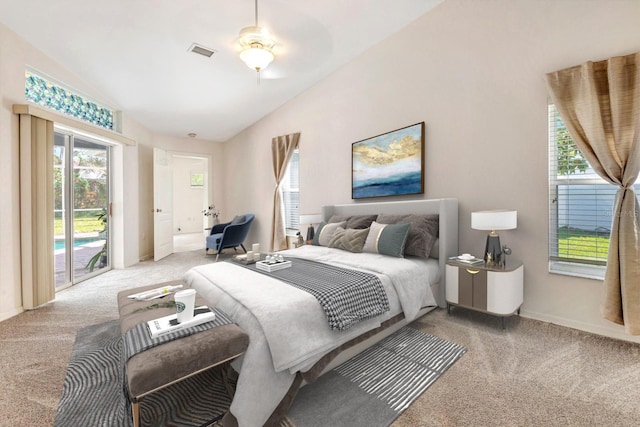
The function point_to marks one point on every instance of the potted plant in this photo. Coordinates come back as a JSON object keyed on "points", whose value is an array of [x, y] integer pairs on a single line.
{"points": [[101, 255], [211, 211]]}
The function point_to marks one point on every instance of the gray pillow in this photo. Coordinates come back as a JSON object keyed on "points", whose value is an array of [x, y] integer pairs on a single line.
{"points": [[351, 240], [239, 219], [435, 250], [354, 221], [386, 239], [423, 232], [324, 232]]}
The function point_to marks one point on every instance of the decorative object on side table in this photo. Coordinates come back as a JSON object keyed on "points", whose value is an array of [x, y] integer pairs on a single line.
{"points": [[311, 220], [492, 221], [467, 259]]}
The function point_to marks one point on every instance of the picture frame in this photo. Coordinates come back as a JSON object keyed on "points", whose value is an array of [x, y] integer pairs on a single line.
{"points": [[197, 180], [390, 164]]}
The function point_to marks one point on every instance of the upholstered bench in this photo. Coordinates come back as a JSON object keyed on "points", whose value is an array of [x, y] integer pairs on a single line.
{"points": [[173, 361]]}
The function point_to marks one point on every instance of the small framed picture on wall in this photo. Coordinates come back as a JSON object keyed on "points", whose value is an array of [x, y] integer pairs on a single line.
{"points": [[197, 179]]}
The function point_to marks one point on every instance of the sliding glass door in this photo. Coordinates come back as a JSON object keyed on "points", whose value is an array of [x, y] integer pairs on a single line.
{"points": [[81, 210]]}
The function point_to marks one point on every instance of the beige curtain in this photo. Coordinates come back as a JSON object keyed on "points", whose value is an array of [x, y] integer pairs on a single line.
{"points": [[36, 210], [282, 148], [600, 104]]}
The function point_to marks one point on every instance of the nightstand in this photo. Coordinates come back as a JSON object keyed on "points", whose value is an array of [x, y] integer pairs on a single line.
{"points": [[494, 290]]}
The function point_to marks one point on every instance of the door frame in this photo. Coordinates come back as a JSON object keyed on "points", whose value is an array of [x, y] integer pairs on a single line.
{"points": [[207, 197], [70, 135]]}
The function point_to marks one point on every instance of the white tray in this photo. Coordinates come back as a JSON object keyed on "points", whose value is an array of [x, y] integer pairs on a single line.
{"points": [[262, 265]]}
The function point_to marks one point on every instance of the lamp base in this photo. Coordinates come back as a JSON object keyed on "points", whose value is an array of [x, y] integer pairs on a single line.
{"points": [[493, 250], [310, 234]]}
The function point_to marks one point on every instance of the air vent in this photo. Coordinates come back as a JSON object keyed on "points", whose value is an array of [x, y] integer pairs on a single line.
{"points": [[201, 50]]}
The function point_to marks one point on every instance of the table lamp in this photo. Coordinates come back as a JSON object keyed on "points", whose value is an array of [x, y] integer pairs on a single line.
{"points": [[492, 221], [310, 219]]}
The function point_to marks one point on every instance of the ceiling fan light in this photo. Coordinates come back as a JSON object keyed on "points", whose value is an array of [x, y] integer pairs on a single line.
{"points": [[256, 46], [256, 57]]}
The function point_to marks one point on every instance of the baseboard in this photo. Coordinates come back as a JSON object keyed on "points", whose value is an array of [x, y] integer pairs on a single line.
{"points": [[9, 314], [145, 257], [609, 332]]}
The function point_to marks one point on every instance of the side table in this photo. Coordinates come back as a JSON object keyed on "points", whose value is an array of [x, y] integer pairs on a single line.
{"points": [[490, 289]]}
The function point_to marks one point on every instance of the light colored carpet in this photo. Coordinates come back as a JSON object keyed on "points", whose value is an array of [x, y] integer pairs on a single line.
{"points": [[532, 374]]}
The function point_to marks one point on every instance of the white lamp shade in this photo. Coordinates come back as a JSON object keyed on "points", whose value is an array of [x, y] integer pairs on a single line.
{"points": [[256, 58], [310, 219], [494, 220]]}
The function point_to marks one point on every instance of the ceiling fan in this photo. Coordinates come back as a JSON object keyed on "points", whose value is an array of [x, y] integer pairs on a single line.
{"points": [[257, 48]]}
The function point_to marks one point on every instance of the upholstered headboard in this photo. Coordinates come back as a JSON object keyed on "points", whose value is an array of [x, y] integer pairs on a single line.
{"points": [[446, 209]]}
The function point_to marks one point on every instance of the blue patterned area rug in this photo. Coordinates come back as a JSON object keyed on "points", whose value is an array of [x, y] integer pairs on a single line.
{"points": [[371, 389]]}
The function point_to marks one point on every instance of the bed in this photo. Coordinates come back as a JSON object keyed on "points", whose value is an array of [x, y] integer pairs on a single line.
{"points": [[290, 341]]}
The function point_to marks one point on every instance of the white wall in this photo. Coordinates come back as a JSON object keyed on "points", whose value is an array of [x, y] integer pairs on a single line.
{"points": [[474, 71], [187, 201]]}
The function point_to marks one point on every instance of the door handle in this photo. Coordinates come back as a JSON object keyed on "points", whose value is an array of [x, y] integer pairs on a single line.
{"points": [[473, 271], [158, 210]]}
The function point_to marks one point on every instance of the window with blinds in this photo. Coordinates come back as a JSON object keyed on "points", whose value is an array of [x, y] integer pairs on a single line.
{"points": [[580, 207], [291, 193]]}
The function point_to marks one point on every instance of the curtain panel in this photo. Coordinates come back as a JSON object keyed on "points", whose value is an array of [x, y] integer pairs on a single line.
{"points": [[36, 211], [282, 148], [600, 105]]}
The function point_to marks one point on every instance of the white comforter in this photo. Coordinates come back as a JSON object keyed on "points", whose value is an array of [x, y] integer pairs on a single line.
{"points": [[288, 329]]}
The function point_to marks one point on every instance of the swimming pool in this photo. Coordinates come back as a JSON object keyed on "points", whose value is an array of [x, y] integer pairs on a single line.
{"points": [[59, 244]]}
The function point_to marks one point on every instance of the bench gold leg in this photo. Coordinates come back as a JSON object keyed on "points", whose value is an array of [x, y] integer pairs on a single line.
{"points": [[135, 409]]}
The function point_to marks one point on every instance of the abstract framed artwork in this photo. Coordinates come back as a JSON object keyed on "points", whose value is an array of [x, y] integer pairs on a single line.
{"points": [[390, 164]]}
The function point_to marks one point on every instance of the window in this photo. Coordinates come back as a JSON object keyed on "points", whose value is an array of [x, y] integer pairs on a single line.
{"points": [[51, 95], [291, 193], [580, 207]]}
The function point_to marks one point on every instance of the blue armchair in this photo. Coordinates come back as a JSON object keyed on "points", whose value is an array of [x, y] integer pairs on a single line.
{"points": [[229, 235]]}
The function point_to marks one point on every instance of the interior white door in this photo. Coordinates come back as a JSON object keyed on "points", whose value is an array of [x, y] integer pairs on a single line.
{"points": [[163, 204]]}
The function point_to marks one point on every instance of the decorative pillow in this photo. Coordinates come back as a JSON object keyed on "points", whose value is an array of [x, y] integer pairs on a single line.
{"points": [[351, 240], [435, 250], [325, 231], [358, 222], [423, 232], [238, 219], [386, 239]]}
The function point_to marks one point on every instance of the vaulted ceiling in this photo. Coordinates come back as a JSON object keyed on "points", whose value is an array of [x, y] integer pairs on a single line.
{"points": [[136, 52]]}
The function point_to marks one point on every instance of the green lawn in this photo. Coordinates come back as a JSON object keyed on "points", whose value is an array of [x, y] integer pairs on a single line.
{"points": [[583, 245]]}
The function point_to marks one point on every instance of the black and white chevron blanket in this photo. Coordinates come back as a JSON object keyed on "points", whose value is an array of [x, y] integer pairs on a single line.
{"points": [[346, 296]]}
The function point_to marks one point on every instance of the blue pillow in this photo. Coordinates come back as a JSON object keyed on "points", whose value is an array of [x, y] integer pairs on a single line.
{"points": [[387, 239]]}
